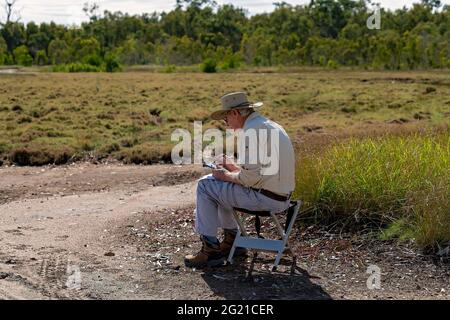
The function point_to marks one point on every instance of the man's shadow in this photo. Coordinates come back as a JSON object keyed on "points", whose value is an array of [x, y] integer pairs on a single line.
{"points": [[246, 280]]}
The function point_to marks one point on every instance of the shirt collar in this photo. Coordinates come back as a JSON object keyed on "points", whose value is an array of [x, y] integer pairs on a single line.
{"points": [[252, 116]]}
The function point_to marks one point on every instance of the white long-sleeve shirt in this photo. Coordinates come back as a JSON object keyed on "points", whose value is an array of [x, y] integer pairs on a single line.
{"points": [[279, 175]]}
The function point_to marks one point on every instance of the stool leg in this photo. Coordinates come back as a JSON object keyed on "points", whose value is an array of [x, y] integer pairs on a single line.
{"points": [[283, 237], [240, 224], [293, 265], [233, 248], [277, 260], [278, 225], [252, 266], [241, 231]]}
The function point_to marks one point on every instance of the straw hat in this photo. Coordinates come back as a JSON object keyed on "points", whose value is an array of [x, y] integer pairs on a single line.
{"points": [[234, 101]]}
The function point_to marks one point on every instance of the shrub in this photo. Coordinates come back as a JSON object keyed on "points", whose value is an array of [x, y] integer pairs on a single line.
{"points": [[24, 119], [209, 66], [231, 62], [93, 60], [128, 143], [59, 68], [4, 147], [112, 64], [146, 153], [332, 64], [16, 108], [41, 58], [170, 68], [38, 155], [155, 112], [23, 56], [76, 67], [432, 214], [350, 109], [382, 181], [5, 58], [107, 149]]}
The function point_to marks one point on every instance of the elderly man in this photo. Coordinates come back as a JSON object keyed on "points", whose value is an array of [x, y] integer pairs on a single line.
{"points": [[248, 186]]}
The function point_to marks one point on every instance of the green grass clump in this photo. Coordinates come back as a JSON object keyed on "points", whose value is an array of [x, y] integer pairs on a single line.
{"points": [[40, 154], [146, 153], [76, 67], [110, 65], [170, 68], [209, 66], [401, 182]]}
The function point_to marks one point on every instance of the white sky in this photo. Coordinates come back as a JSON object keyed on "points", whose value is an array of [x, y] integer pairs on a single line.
{"points": [[70, 11]]}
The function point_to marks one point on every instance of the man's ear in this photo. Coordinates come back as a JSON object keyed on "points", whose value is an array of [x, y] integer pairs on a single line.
{"points": [[235, 112]]}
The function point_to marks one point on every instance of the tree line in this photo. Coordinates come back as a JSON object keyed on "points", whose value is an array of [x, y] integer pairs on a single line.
{"points": [[329, 33]]}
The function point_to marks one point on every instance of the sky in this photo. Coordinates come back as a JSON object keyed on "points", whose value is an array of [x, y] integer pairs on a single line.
{"points": [[70, 11]]}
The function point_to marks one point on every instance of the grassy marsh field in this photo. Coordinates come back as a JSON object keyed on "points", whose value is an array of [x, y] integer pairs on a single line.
{"points": [[46, 118], [372, 146]]}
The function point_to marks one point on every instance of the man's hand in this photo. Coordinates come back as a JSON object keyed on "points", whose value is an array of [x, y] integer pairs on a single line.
{"points": [[220, 174], [227, 163], [224, 175]]}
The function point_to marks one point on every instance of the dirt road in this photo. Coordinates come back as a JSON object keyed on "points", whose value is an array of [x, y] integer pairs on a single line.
{"points": [[110, 231]]}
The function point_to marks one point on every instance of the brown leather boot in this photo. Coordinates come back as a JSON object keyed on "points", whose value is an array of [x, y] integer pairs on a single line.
{"points": [[227, 243], [208, 256]]}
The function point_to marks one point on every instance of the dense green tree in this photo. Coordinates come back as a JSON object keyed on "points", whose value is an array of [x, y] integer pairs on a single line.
{"points": [[37, 42], [257, 49], [83, 48], [22, 56], [134, 51], [327, 33], [58, 52], [14, 35], [229, 22], [41, 58], [181, 51], [3, 50], [387, 49]]}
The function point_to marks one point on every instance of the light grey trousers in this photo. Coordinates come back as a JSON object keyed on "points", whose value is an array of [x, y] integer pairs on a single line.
{"points": [[216, 200]]}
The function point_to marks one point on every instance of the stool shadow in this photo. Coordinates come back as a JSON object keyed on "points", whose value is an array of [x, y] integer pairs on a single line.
{"points": [[239, 282]]}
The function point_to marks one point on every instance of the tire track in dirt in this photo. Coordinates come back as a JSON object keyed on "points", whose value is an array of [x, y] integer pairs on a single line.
{"points": [[50, 240]]}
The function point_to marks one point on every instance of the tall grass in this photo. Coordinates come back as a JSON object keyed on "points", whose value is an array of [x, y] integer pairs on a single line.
{"points": [[110, 65], [399, 182], [76, 67]]}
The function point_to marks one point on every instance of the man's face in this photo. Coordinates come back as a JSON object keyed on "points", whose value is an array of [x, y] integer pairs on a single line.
{"points": [[234, 120]]}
